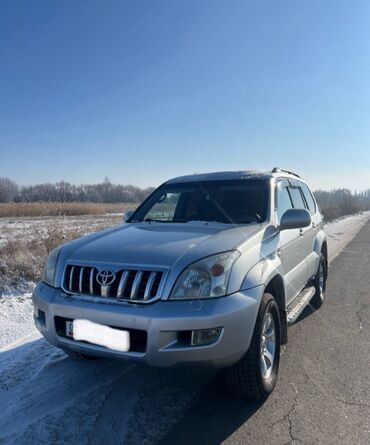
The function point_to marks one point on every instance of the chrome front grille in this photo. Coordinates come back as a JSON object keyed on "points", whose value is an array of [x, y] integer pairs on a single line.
{"points": [[127, 284]]}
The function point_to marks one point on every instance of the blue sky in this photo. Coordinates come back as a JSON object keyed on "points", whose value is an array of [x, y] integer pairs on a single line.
{"points": [[141, 91]]}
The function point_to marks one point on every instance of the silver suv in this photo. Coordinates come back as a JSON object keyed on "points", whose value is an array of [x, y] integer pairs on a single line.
{"points": [[210, 268]]}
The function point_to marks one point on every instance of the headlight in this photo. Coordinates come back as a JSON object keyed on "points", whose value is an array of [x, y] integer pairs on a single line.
{"points": [[50, 267], [207, 278]]}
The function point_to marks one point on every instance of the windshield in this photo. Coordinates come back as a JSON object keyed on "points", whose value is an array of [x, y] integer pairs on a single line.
{"points": [[229, 202]]}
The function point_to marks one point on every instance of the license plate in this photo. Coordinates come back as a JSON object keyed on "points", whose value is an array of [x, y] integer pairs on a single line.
{"points": [[98, 334]]}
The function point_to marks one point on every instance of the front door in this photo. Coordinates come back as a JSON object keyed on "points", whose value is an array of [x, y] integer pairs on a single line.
{"points": [[293, 255]]}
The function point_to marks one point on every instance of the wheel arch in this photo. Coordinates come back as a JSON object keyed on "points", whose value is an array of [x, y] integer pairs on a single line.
{"points": [[324, 251], [275, 287], [268, 273], [321, 243]]}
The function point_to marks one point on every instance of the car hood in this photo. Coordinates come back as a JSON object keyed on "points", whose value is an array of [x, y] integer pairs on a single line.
{"points": [[156, 244]]}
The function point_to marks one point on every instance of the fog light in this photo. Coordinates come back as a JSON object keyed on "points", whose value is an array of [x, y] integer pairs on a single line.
{"points": [[205, 336]]}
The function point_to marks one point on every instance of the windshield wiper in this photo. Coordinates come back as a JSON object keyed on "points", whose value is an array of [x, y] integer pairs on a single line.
{"points": [[205, 221], [155, 220]]}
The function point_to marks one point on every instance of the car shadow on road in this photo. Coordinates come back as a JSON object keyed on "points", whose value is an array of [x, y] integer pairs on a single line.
{"points": [[214, 416], [120, 401], [307, 312]]}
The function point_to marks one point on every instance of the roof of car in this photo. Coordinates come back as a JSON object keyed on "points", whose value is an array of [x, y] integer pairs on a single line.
{"points": [[229, 175]]}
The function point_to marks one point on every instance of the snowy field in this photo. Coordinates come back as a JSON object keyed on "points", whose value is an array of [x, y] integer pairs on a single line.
{"points": [[21, 228], [46, 397]]}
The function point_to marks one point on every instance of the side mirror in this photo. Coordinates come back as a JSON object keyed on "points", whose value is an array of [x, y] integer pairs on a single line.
{"points": [[295, 219], [127, 215]]}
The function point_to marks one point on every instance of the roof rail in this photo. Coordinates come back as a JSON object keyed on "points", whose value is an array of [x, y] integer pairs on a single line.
{"points": [[280, 170]]}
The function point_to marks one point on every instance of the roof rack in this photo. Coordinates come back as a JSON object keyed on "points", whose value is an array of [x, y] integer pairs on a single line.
{"points": [[280, 170]]}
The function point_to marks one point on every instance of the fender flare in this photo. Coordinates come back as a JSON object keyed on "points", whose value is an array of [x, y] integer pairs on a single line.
{"points": [[320, 240], [268, 274], [321, 245], [263, 272]]}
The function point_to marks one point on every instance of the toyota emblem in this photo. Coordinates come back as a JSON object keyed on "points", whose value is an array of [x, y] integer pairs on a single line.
{"points": [[105, 277]]}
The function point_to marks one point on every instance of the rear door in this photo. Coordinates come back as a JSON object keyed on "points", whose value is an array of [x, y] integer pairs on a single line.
{"points": [[306, 233], [293, 257], [311, 232]]}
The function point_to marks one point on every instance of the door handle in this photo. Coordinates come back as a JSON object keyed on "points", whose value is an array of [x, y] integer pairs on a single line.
{"points": [[301, 232], [313, 224]]}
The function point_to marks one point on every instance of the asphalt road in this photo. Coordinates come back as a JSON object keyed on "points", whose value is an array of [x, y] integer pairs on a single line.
{"points": [[323, 391]]}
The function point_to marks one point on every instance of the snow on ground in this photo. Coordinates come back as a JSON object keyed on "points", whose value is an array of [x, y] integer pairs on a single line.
{"points": [[342, 230], [21, 228], [16, 319], [46, 397]]}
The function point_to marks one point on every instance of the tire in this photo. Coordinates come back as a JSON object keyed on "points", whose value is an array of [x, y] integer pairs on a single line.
{"points": [[320, 284], [248, 377]]}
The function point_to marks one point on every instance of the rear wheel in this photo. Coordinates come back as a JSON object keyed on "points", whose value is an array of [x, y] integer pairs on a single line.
{"points": [[255, 375], [320, 284]]}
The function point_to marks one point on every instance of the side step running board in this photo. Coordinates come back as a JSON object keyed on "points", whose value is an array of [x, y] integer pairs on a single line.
{"points": [[301, 302]]}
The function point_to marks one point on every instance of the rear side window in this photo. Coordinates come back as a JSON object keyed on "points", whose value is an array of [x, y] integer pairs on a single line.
{"points": [[309, 199], [283, 202], [297, 199]]}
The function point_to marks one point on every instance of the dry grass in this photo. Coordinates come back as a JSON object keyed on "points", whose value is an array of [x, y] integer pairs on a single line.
{"points": [[61, 208], [22, 258]]}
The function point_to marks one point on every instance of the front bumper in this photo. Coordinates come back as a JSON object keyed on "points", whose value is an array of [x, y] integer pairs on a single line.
{"points": [[163, 324]]}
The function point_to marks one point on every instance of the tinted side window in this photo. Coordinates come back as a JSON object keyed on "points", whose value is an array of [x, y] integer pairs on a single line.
{"points": [[283, 202], [296, 198], [309, 199]]}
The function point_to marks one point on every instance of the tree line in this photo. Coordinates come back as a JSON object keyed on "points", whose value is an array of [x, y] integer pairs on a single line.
{"points": [[333, 203], [105, 192], [340, 202]]}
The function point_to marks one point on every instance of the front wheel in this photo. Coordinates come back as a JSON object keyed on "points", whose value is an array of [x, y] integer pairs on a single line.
{"points": [[255, 375]]}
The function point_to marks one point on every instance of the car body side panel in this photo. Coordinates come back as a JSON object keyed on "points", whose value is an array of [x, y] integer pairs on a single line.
{"points": [[261, 245], [290, 250], [294, 261], [263, 272]]}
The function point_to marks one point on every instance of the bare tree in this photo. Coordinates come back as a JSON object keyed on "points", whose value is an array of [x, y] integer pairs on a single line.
{"points": [[8, 190], [340, 202], [65, 192]]}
